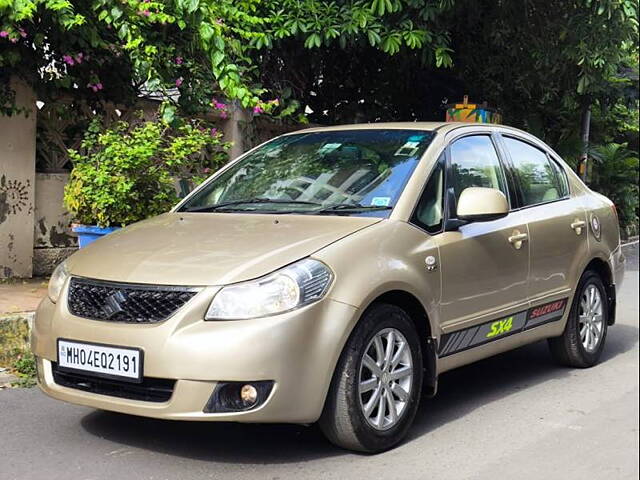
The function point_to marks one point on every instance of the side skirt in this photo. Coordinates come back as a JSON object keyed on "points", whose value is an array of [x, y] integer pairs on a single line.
{"points": [[461, 340]]}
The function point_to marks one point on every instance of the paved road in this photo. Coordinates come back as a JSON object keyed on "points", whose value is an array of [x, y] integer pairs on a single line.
{"points": [[512, 416]]}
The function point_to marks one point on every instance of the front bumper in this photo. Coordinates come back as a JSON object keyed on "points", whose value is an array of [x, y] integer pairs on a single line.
{"points": [[298, 351]]}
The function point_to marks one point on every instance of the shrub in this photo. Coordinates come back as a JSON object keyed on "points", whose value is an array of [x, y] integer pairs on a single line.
{"points": [[615, 175], [25, 368], [14, 350], [124, 173]]}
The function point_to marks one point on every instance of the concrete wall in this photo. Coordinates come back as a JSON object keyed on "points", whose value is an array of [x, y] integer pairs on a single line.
{"points": [[52, 221], [17, 183], [53, 238]]}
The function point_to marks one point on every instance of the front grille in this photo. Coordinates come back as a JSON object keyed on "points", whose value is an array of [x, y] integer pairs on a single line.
{"points": [[125, 302], [150, 390]]}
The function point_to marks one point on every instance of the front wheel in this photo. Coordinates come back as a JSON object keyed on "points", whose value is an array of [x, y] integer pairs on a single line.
{"points": [[375, 391], [582, 342]]}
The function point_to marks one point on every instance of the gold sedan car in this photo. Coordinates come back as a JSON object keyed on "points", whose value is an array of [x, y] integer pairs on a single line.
{"points": [[331, 275]]}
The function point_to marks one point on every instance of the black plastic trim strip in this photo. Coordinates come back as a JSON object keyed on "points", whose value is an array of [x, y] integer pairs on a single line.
{"points": [[454, 342]]}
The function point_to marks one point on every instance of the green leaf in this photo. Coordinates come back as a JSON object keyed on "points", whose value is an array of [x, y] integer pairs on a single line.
{"points": [[374, 38], [217, 58], [116, 12], [206, 31], [192, 5], [313, 40], [218, 41]]}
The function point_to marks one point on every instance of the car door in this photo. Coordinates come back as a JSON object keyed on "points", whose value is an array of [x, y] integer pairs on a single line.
{"points": [[484, 265], [557, 220]]}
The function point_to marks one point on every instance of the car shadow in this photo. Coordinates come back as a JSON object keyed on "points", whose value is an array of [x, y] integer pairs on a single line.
{"points": [[460, 392], [463, 390]]}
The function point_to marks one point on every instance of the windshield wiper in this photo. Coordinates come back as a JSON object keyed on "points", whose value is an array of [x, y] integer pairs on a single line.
{"points": [[222, 205], [351, 207]]}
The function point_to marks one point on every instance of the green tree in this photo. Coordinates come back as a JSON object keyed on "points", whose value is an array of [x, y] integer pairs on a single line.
{"points": [[539, 61], [117, 50]]}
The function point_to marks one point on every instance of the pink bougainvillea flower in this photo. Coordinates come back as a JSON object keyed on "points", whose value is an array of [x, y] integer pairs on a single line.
{"points": [[68, 59], [206, 170], [223, 115], [4, 34], [94, 88], [13, 40], [79, 57], [144, 13], [99, 86], [179, 60], [214, 132], [178, 82], [258, 109], [23, 34]]}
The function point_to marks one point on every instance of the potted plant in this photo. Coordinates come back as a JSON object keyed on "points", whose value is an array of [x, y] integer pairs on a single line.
{"points": [[128, 172]]}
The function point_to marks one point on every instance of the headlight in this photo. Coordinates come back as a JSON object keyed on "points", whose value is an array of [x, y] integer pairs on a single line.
{"points": [[292, 287], [56, 282]]}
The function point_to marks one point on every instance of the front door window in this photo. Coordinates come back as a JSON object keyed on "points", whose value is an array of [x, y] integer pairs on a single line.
{"points": [[475, 163]]}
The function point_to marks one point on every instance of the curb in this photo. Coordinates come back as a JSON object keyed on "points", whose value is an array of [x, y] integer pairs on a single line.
{"points": [[11, 320], [6, 379], [12, 317]]}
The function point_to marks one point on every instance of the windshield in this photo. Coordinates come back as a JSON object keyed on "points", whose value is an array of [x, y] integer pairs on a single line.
{"points": [[349, 172]]}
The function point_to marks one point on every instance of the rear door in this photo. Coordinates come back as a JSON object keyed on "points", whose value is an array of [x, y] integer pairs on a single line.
{"points": [[557, 221], [484, 271]]}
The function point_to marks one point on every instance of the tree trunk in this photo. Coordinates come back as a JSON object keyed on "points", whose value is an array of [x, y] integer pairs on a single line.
{"points": [[585, 125]]}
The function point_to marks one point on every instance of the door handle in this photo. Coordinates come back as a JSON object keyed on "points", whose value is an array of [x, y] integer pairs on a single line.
{"points": [[578, 225], [517, 238]]}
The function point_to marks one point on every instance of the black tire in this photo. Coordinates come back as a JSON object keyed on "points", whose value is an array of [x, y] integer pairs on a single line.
{"points": [[343, 421], [568, 349]]}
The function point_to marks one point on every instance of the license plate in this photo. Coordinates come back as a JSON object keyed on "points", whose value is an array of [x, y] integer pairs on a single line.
{"points": [[100, 360]]}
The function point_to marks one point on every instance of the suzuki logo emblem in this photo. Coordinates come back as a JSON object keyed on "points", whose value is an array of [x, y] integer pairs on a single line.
{"points": [[112, 304]]}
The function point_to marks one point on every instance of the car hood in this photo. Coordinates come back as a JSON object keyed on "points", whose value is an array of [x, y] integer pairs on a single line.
{"points": [[209, 248]]}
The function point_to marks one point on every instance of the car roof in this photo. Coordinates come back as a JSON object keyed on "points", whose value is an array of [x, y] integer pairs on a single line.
{"points": [[431, 126]]}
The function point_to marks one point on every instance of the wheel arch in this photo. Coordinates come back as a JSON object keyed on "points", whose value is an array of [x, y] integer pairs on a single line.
{"points": [[603, 269], [420, 318]]}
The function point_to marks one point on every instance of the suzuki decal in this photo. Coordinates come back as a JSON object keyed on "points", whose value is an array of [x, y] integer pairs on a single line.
{"points": [[475, 336]]}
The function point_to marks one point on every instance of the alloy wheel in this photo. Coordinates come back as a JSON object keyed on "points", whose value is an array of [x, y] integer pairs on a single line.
{"points": [[386, 378], [591, 318]]}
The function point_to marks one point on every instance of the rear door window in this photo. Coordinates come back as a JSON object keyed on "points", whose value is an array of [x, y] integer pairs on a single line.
{"points": [[539, 177]]}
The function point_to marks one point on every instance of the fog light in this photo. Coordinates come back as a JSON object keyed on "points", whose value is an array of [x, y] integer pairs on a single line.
{"points": [[238, 396], [248, 394]]}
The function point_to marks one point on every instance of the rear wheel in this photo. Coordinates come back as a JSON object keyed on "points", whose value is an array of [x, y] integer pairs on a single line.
{"points": [[583, 339], [376, 387]]}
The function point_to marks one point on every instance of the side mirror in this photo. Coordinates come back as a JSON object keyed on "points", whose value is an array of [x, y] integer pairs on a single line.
{"points": [[477, 204]]}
